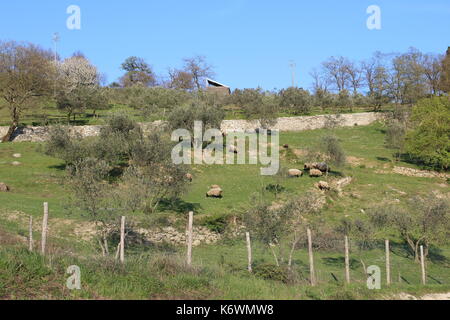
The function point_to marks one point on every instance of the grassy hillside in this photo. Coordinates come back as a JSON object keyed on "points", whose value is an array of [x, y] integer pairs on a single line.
{"points": [[219, 272]]}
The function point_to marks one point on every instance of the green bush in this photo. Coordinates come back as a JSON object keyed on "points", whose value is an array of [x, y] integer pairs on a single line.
{"points": [[216, 224], [429, 139], [269, 271]]}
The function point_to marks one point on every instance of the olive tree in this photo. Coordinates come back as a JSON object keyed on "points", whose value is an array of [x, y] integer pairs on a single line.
{"points": [[277, 225], [424, 221], [296, 99]]}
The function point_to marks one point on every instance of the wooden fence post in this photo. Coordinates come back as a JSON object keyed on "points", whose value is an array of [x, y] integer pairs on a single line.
{"points": [[189, 238], [249, 251], [311, 259], [44, 228], [422, 263], [388, 263], [347, 260], [122, 240], [30, 237]]}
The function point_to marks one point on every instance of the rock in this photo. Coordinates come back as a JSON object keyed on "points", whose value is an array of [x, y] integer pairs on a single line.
{"points": [[214, 193], [295, 173], [343, 182], [189, 176], [323, 185], [16, 163], [17, 155], [4, 187], [315, 173]]}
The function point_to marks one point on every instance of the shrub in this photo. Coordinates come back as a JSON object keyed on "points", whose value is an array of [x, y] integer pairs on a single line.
{"points": [[429, 139], [296, 99], [332, 148], [269, 271], [395, 136], [216, 224]]}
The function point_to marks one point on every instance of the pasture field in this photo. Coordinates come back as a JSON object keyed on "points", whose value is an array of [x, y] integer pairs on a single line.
{"points": [[219, 271]]}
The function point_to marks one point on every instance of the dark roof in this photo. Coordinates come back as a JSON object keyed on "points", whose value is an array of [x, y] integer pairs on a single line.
{"points": [[214, 83]]}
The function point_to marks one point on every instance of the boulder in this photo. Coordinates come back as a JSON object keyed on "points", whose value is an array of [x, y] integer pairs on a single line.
{"points": [[214, 193], [323, 185], [3, 187], [315, 173], [295, 173]]}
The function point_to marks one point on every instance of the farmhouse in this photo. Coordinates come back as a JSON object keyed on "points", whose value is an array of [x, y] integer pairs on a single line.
{"points": [[216, 87]]}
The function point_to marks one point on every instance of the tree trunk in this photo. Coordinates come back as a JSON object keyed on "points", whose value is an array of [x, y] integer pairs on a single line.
{"points": [[8, 136], [275, 256], [13, 126]]}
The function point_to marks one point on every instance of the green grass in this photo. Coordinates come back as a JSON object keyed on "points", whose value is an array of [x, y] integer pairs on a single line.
{"points": [[220, 269]]}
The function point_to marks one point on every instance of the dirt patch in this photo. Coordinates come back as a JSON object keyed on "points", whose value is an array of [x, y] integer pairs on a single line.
{"points": [[419, 173], [300, 153], [9, 239], [430, 296], [355, 161]]}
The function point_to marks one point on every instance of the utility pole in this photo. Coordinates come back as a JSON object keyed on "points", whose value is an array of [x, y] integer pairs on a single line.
{"points": [[56, 39], [293, 65]]}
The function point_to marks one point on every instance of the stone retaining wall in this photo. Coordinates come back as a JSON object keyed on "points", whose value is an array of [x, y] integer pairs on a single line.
{"points": [[39, 134]]}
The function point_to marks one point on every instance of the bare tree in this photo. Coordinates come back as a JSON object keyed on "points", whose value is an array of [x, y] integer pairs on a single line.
{"points": [[199, 69], [26, 74], [432, 69], [180, 79], [355, 76], [320, 83], [336, 70]]}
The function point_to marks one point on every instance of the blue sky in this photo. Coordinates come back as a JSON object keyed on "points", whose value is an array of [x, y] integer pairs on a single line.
{"points": [[249, 42]]}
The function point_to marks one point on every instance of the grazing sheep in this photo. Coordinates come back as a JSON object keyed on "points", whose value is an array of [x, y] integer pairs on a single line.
{"points": [[295, 173], [315, 173], [190, 177], [214, 193], [309, 166], [215, 186], [286, 146], [3, 187], [322, 166], [322, 185]]}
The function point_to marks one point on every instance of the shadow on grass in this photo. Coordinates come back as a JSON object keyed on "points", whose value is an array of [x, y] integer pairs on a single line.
{"points": [[178, 205], [436, 256], [61, 167], [340, 262]]}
